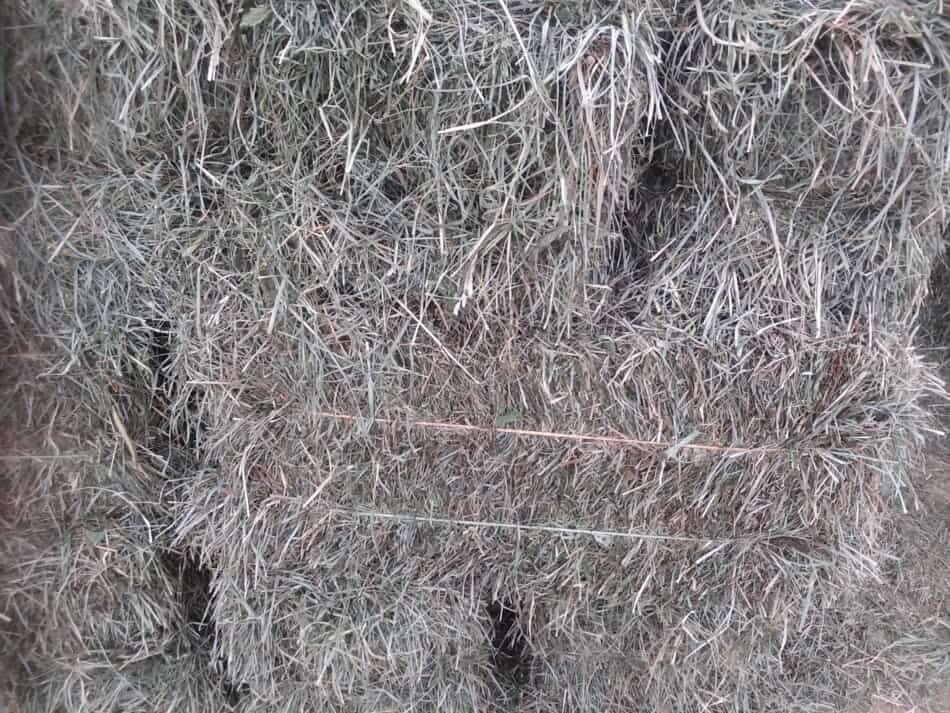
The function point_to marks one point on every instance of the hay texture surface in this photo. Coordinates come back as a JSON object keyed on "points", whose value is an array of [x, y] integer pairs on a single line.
{"points": [[472, 355]]}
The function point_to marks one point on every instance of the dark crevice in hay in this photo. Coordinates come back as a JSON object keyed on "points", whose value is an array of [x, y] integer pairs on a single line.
{"points": [[934, 338], [936, 314], [196, 599], [511, 655], [630, 258], [660, 176], [642, 224], [160, 356], [666, 170], [181, 431]]}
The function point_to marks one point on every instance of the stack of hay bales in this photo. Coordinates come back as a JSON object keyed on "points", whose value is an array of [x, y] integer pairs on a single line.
{"points": [[307, 274]]}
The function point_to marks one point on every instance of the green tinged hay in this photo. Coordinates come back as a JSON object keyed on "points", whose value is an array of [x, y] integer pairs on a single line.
{"points": [[259, 244]]}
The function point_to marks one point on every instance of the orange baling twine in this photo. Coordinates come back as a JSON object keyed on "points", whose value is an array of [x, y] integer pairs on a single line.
{"points": [[684, 444], [602, 536]]}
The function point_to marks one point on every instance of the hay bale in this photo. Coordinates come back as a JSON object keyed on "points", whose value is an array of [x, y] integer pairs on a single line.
{"points": [[830, 82], [368, 647], [93, 683]]}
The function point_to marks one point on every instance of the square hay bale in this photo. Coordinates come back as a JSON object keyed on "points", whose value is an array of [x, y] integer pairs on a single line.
{"points": [[840, 84]]}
